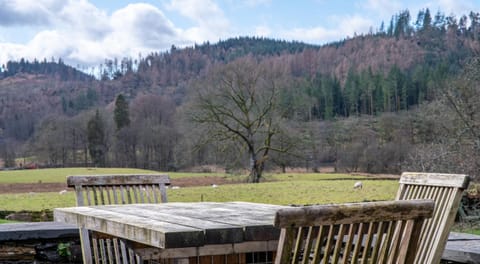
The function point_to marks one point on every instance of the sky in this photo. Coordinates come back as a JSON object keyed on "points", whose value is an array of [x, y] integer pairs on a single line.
{"points": [[86, 32]]}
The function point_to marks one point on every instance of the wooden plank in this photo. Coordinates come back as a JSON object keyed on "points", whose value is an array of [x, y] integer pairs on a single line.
{"points": [[232, 259], [207, 250], [86, 248], [227, 207], [219, 259], [256, 206], [353, 213], [462, 248], [213, 212], [348, 243], [117, 179], [79, 196], [449, 219], [135, 228], [435, 179], [257, 224], [215, 232], [230, 217], [186, 225], [36, 231]]}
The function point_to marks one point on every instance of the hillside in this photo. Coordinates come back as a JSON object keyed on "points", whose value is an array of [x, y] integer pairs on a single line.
{"points": [[45, 106]]}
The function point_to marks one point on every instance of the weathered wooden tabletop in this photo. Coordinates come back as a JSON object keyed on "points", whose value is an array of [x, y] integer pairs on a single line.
{"points": [[177, 225], [462, 248]]}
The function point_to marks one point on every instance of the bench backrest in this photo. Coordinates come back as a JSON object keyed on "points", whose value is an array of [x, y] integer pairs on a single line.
{"points": [[446, 190], [119, 189], [374, 232]]}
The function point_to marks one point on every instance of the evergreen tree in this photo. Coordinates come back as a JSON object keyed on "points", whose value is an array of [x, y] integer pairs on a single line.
{"points": [[402, 26], [427, 20], [121, 113], [382, 28], [96, 140]]}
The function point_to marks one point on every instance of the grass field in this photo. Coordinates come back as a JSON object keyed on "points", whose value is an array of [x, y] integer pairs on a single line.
{"points": [[60, 174], [298, 192], [289, 188]]}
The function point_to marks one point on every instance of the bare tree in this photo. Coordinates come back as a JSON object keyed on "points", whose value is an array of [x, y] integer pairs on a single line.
{"points": [[154, 125], [238, 102], [52, 140], [462, 96]]}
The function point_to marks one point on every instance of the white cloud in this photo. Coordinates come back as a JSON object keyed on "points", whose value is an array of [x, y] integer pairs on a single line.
{"points": [[346, 26], [24, 12], [211, 23], [80, 33], [255, 3], [11, 51], [383, 6], [144, 25], [262, 31], [49, 44], [458, 7], [85, 18], [310, 35]]}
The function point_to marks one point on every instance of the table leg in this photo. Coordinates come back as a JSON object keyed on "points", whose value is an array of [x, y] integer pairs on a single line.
{"points": [[86, 249]]}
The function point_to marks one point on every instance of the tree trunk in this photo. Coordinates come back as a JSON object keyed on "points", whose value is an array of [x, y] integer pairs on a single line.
{"points": [[255, 175], [256, 169], [85, 155]]}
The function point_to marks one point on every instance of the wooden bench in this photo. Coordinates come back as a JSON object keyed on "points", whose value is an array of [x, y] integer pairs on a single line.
{"points": [[110, 190], [446, 190], [375, 232]]}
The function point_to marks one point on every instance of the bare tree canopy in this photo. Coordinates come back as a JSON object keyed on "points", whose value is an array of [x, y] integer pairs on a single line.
{"points": [[238, 102]]}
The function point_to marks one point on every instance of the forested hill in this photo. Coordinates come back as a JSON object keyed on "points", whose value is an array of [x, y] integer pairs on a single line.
{"points": [[399, 66], [55, 69], [393, 69]]}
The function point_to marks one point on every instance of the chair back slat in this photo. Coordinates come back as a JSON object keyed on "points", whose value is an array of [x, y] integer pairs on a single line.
{"points": [[376, 232], [446, 190], [119, 189], [338, 244]]}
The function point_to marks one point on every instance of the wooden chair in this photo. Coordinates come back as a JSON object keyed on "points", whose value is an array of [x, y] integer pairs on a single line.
{"points": [[114, 189], [375, 232], [446, 190]]}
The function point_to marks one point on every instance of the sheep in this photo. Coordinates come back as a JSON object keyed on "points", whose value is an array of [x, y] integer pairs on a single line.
{"points": [[62, 192], [214, 186], [358, 185]]}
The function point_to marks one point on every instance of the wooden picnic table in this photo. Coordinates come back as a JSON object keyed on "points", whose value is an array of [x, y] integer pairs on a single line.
{"points": [[184, 230], [209, 230]]}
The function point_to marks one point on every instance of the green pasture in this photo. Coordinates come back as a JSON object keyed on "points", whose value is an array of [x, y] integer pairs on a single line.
{"points": [[297, 192], [287, 188]]}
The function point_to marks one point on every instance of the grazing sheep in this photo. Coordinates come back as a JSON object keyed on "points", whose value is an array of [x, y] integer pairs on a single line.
{"points": [[62, 192], [214, 186], [175, 187], [358, 185]]}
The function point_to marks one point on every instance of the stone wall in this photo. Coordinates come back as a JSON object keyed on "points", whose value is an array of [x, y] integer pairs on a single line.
{"points": [[40, 242]]}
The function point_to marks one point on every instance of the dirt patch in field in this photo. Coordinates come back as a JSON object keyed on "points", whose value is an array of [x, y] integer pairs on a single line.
{"points": [[202, 181], [57, 187]]}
